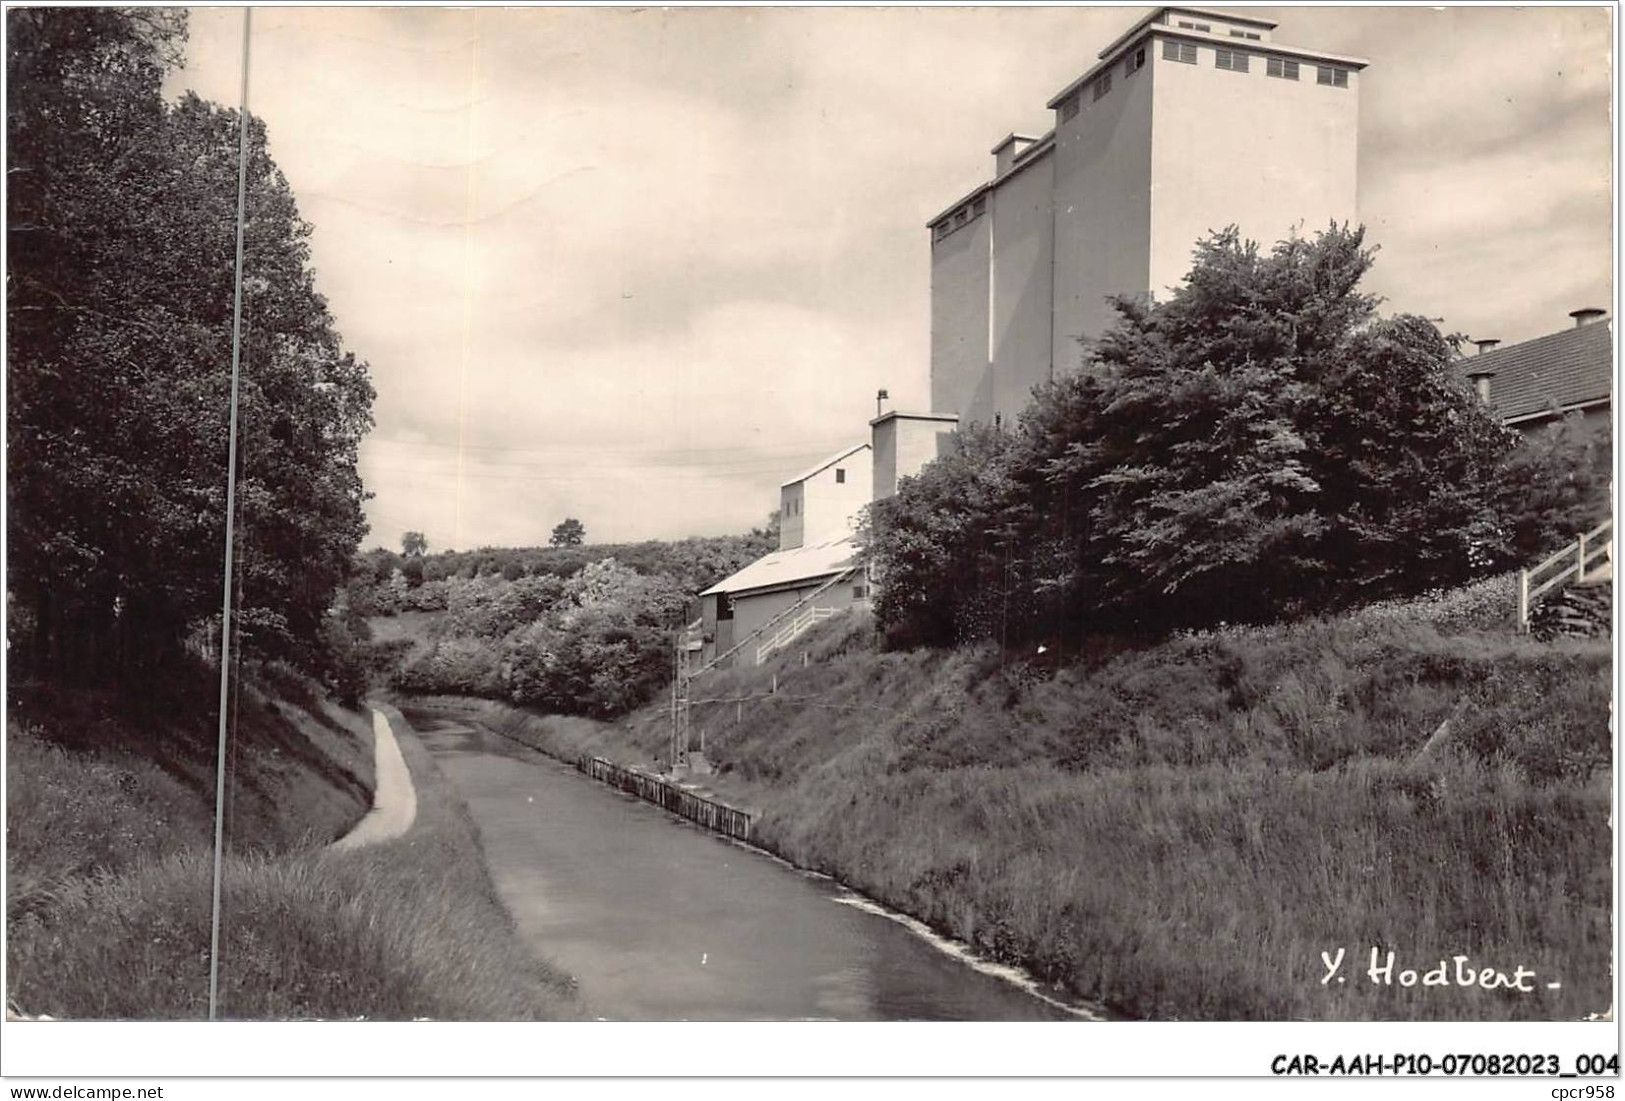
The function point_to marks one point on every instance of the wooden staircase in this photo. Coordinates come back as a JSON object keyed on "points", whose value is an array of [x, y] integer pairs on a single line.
{"points": [[1586, 568], [1583, 610]]}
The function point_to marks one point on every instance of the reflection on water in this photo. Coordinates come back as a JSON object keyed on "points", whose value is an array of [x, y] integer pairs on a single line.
{"points": [[660, 920]]}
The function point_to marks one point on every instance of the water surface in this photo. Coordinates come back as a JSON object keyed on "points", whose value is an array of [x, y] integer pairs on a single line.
{"points": [[660, 920]]}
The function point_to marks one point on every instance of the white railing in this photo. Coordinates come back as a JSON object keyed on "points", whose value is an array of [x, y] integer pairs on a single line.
{"points": [[1577, 561], [788, 613], [789, 632]]}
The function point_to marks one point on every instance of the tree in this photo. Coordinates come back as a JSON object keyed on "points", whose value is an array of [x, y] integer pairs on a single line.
{"points": [[122, 222], [1555, 486], [413, 543], [570, 533], [1257, 446], [603, 649], [769, 532], [1262, 443], [941, 545], [84, 114], [1408, 462]]}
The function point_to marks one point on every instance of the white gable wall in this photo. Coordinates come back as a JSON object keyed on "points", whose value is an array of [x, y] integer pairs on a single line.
{"points": [[825, 504], [836, 495]]}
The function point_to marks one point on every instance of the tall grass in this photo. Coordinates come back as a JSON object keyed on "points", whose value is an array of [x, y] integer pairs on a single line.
{"points": [[1180, 830], [98, 782], [566, 737], [1210, 892], [110, 862]]}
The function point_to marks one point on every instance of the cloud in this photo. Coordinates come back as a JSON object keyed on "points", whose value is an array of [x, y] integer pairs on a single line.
{"points": [[642, 264], [667, 435]]}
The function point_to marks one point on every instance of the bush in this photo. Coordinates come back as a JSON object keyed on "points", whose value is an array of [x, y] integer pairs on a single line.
{"points": [[430, 596], [1554, 487], [596, 662], [941, 546], [1487, 605], [340, 660], [458, 666]]}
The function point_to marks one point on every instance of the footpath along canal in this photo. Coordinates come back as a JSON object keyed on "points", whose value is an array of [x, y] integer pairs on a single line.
{"points": [[659, 920]]}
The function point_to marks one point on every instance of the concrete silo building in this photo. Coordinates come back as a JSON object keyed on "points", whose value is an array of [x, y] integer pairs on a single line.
{"points": [[1190, 121]]}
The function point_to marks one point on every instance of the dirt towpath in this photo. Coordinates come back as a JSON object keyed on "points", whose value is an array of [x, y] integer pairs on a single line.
{"points": [[394, 799]]}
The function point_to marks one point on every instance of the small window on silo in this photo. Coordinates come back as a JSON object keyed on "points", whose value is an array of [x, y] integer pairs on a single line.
{"points": [[1179, 51], [1281, 68]]}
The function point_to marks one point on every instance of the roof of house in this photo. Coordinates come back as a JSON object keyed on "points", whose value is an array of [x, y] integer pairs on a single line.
{"points": [[786, 567], [1563, 370], [825, 464]]}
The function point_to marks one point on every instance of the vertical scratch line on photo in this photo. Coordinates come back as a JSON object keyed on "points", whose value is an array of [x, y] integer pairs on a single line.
{"points": [[231, 504], [468, 272]]}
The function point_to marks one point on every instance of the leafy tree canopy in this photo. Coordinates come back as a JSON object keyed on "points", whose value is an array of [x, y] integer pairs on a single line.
{"points": [[1260, 445], [122, 227], [569, 533]]}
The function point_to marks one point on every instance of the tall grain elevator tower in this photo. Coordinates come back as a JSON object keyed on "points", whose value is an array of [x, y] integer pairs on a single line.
{"points": [[1190, 121]]}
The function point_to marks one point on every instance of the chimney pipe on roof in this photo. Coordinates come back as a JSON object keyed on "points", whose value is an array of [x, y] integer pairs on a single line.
{"points": [[1486, 345], [880, 398], [1481, 383], [1587, 316], [1010, 147]]}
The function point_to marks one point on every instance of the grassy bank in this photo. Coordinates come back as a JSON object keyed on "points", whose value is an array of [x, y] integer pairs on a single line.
{"points": [[109, 826], [566, 737], [1180, 831]]}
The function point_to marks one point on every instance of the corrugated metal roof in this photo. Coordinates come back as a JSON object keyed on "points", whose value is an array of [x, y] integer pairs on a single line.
{"points": [[785, 567], [1565, 369], [829, 462]]}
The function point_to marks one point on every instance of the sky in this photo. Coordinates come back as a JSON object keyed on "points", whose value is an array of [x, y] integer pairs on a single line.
{"points": [[639, 266]]}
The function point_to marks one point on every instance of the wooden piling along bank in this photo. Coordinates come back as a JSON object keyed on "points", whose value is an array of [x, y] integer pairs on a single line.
{"points": [[696, 808]]}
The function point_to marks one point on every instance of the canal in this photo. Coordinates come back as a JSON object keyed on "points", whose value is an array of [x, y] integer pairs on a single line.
{"points": [[659, 920]]}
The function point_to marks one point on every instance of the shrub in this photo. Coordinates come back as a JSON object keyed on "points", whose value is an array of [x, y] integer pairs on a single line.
{"points": [[458, 666], [1554, 487]]}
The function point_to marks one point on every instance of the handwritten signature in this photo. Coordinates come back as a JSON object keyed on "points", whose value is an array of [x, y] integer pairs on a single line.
{"points": [[1456, 971]]}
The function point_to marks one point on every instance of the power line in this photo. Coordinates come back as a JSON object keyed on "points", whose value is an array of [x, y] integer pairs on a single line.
{"points": [[588, 474], [821, 445]]}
